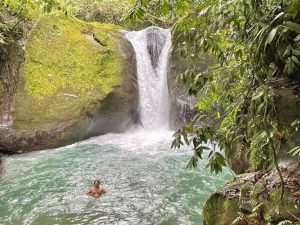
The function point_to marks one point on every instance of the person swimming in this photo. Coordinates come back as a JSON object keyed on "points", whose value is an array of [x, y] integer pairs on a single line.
{"points": [[96, 190]]}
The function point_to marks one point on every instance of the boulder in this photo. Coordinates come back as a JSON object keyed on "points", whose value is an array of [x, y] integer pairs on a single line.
{"points": [[77, 80], [254, 198]]}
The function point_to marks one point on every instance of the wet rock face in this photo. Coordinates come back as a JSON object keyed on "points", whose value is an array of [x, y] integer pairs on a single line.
{"points": [[254, 198], [11, 58], [239, 163], [119, 110], [156, 40], [69, 115], [289, 111], [183, 109]]}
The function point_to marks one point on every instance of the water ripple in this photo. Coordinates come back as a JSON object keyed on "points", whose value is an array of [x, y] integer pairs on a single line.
{"points": [[147, 183]]}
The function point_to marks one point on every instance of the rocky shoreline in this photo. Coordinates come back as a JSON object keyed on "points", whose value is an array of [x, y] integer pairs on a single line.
{"points": [[254, 199]]}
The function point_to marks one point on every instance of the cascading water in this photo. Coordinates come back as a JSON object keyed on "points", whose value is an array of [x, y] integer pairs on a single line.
{"points": [[152, 47]]}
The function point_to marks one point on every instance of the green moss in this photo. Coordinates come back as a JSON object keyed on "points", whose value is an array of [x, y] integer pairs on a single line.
{"points": [[276, 210], [107, 26], [66, 71], [59, 55], [257, 190], [246, 189], [256, 159], [220, 210], [260, 159]]}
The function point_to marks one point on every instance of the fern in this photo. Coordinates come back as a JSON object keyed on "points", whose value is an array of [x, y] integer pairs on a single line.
{"points": [[257, 208], [295, 151], [286, 222], [238, 219]]}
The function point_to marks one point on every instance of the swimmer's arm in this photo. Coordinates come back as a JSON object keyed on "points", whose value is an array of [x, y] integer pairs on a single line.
{"points": [[104, 190], [88, 191]]}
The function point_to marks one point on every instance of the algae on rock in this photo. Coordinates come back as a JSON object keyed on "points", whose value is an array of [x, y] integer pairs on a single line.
{"points": [[71, 70], [65, 71], [254, 198]]}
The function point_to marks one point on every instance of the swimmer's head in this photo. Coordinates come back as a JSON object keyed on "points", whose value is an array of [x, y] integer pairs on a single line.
{"points": [[97, 183]]}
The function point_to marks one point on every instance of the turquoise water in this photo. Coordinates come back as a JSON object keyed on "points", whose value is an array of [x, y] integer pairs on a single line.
{"points": [[147, 183]]}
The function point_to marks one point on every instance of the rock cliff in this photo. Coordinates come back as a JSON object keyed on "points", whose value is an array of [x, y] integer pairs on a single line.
{"points": [[71, 80]]}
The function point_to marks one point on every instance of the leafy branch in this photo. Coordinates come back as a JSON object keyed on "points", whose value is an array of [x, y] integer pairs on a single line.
{"points": [[254, 43]]}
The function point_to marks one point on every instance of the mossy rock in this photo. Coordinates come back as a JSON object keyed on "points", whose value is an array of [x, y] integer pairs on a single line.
{"points": [[276, 210], [220, 210], [260, 159], [257, 190], [66, 72], [246, 189], [72, 71], [255, 198]]}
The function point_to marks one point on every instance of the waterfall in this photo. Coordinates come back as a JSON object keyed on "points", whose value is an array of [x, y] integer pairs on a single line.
{"points": [[152, 47]]}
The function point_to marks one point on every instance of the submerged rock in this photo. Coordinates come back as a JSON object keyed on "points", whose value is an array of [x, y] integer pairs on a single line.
{"points": [[78, 79]]}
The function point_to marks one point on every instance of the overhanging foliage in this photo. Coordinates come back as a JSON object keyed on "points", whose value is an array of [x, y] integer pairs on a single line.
{"points": [[256, 44]]}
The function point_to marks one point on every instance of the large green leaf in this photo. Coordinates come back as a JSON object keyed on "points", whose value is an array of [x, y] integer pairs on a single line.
{"points": [[271, 35], [292, 26], [295, 151]]}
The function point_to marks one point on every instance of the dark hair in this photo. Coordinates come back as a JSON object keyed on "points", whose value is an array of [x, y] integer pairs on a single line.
{"points": [[97, 181]]}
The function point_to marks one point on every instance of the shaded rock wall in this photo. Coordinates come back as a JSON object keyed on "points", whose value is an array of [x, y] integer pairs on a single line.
{"points": [[288, 108], [119, 110], [11, 58], [183, 109]]}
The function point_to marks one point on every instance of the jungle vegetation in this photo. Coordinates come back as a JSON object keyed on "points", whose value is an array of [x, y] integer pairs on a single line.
{"points": [[16, 14], [257, 46]]}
